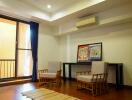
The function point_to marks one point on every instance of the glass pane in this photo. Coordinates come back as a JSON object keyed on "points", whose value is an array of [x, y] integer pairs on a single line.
{"points": [[7, 39], [24, 36], [24, 63]]}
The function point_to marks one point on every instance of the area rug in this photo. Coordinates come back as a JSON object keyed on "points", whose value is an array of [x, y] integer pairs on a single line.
{"points": [[46, 94]]}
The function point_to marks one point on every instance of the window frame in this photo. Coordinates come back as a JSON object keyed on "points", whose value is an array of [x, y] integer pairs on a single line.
{"points": [[16, 46]]}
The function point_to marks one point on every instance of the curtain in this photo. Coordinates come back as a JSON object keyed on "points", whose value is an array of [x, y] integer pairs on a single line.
{"points": [[34, 45]]}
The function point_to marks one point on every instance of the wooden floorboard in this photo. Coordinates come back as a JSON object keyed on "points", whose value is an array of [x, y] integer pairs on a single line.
{"points": [[13, 92]]}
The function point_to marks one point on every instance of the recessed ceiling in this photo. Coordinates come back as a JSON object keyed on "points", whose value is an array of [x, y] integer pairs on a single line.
{"points": [[37, 9], [57, 5]]}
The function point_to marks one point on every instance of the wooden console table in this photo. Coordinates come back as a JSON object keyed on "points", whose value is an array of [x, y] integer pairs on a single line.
{"points": [[118, 67]]}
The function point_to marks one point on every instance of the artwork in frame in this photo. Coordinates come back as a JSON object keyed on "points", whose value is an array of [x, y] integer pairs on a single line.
{"points": [[83, 53], [89, 52]]}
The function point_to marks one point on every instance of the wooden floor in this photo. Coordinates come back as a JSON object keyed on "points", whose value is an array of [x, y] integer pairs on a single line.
{"points": [[13, 92]]}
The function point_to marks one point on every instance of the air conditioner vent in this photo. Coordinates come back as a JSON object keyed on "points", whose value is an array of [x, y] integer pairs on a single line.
{"points": [[86, 22]]}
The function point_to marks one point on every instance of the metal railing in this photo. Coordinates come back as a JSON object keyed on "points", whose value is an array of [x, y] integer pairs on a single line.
{"points": [[7, 68]]}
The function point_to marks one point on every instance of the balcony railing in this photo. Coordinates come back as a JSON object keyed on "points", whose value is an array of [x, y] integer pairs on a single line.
{"points": [[7, 68]]}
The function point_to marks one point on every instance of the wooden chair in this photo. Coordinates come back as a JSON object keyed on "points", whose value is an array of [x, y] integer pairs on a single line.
{"points": [[50, 76], [94, 80]]}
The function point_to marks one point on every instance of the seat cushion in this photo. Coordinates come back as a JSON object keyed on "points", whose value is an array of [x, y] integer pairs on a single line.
{"points": [[48, 75], [87, 78]]}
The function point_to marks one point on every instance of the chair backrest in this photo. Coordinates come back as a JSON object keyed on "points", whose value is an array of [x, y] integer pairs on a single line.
{"points": [[98, 67], [53, 67]]}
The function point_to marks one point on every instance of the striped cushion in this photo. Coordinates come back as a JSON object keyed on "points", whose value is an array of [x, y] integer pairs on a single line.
{"points": [[87, 78], [48, 75]]}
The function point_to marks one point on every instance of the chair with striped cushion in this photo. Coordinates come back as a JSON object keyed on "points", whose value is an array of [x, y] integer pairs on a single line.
{"points": [[93, 80], [50, 75]]}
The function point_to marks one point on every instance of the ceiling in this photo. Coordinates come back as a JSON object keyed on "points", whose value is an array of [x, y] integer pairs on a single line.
{"points": [[57, 5], [61, 9]]}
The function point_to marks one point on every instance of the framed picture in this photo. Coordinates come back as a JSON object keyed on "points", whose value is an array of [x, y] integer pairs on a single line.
{"points": [[83, 53], [89, 52]]}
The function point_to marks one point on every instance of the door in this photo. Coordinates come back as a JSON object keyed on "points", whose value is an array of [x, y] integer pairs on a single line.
{"points": [[24, 58], [7, 48], [15, 49]]}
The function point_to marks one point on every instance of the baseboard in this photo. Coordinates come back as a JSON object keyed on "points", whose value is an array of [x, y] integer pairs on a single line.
{"points": [[128, 86], [124, 86], [69, 79], [112, 84], [20, 81], [72, 79]]}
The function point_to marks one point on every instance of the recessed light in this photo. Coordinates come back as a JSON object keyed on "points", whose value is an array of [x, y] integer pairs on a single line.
{"points": [[49, 6]]}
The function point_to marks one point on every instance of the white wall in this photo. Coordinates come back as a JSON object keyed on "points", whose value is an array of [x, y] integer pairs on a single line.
{"points": [[48, 47], [116, 39], [117, 46]]}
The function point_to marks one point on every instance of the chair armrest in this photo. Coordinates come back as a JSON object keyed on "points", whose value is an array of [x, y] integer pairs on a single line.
{"points": [[83, 73], [43, 71], [102, 77]]}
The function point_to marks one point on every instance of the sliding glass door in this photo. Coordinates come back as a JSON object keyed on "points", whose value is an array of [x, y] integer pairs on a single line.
{"points": [[15, 49], [7, 48], [24, 51]]}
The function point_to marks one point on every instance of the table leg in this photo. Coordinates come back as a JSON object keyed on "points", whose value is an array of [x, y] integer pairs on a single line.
{"points": [[69, 71], [64, 75], [119, 76]]}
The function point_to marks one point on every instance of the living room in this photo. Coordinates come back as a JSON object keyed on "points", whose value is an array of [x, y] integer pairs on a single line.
{"points": [[47, 35]]}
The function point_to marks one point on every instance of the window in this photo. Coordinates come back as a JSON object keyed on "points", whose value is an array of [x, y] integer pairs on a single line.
{"points": [[7, 39], [7, 48], [15, 48], [24, 51]]}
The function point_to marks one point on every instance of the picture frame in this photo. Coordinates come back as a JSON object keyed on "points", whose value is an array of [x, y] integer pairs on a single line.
{"points": [[89, 52]]}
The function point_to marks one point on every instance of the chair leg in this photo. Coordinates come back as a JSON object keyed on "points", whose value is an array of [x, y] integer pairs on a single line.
{"points": [[97, 89], [78, 85], [58, 83], [40, 82], [93, 92], [105, 87]]}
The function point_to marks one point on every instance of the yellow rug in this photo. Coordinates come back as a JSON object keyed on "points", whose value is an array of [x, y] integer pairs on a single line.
{"points": [[46, 94]]}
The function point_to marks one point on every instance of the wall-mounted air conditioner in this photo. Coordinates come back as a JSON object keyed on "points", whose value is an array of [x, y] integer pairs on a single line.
{"points": [[86, 22]]}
